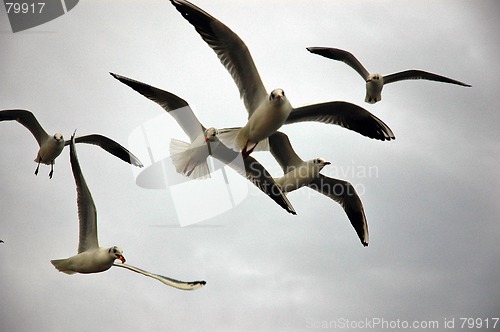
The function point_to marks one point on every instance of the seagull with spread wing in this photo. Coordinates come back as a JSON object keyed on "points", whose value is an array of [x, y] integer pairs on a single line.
{"points": [[52, 146], [268, 112], [374, 81], [299, 173], [190, 159], [92, 258]]}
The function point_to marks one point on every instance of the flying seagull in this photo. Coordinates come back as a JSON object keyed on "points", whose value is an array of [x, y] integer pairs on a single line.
{"points": [[91, 258], [190, 158], [268, 112], [299, 173], [374, 81], [52, 146]]}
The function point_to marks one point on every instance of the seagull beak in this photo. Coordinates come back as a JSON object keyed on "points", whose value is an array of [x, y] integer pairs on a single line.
{"points": [[207, 139], [121, 258], [327, 163]]}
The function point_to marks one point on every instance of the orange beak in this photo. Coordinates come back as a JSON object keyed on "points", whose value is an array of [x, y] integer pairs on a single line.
{"points": [[121, 258]]}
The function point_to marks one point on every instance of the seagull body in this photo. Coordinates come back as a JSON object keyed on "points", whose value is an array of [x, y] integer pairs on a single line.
{"points": [[264, 121], [299, 173], [374, 81], [52, 146], [190, 158], [92, 258], [90, 261], [268, 112]]}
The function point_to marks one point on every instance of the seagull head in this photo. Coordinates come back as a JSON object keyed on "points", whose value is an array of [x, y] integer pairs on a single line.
{"points": [[277, 96], [58, 137], [374, 77], [320, 163], [210, 133], [117, 252]]}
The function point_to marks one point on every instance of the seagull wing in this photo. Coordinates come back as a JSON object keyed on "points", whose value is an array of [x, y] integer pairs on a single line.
{"points": [[253, 171], [87, 213], [27, 119], [189, 285], [414, 74], [282, 151], [174, 105], [341, 55], [344, 193], [109, 145], [344, 114], [231, 50]]}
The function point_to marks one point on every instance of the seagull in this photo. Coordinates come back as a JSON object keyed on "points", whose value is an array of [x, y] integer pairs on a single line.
{"points": [[91, 258], [52, 146], [190, 158], [299, 173], [374, 81], [268, 112]]}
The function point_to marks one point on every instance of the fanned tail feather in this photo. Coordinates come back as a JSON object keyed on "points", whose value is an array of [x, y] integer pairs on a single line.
{"points": [[179, 153]]}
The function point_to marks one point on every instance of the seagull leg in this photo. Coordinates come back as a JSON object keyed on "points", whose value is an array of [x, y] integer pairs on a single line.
{"points": [[38, 166], [51, 170]]}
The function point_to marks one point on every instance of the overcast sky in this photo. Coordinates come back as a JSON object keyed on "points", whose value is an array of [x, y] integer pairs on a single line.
{"points": [[430, 196]]}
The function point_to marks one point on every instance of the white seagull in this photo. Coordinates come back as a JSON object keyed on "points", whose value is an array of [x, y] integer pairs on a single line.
{"points": [[268, 112], [374, 81], [190, 159], [52, 146], [91, 258], [299, 173]]}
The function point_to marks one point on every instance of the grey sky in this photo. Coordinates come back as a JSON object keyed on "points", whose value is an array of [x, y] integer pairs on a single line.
{"points": [[430, 201]]}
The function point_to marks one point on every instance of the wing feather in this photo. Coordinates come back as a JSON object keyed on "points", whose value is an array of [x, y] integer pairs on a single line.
{"points": [[231, 50], [344, 193], [184, 285], [344, 114], [254, 172], [28, 120], [87, 213], [414, 74], [341, 55], [110, 146], [177, 107]]}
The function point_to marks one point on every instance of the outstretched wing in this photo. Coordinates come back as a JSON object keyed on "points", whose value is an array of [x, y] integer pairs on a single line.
{"points": [[231, 50], [184, 285], [27, 119], [282, 151], [177, 107], [253, 171], [344, 114], [341, 55], [414, 74], [344, 193], [87, 213], [109, 145]]}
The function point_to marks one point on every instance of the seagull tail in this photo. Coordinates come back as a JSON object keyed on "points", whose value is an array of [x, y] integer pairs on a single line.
{"points": [[62, 265], [179, 152], [234, 139]]}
